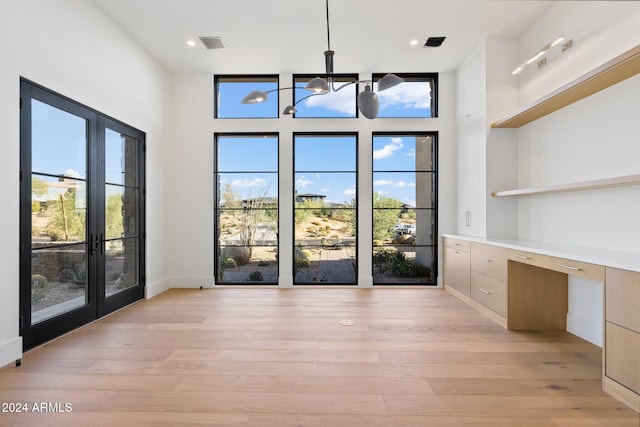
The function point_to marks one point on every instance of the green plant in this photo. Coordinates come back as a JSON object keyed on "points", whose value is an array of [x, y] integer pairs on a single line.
{"points": [[225, 262], [229, 262], [263, 263], [38, 281], [386, 211], [256, 276], [79, 274]]}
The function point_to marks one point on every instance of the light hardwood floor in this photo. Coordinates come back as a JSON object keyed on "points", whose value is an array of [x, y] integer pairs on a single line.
{"points": [[280, 357]]}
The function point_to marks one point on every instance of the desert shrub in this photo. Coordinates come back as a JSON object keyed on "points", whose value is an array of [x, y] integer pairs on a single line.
{"points": [[256, 276], [410, 269], [38, 281], [229, 263]]}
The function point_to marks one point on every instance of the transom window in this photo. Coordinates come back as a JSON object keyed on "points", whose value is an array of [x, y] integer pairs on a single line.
{"points": [[335, 104], [229, 91], [415, 97]]}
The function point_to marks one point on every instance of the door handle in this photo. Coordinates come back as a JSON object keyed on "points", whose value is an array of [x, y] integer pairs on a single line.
{"points": [[91, 243]]}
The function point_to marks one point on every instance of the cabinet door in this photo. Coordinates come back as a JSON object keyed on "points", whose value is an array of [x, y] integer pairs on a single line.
{"points": [[456, 270], [463, 272], [449, 264], [622, 349], [622, 294]]}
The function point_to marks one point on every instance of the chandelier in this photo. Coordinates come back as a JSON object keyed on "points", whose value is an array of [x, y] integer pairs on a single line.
{"points": [[368, 103]]}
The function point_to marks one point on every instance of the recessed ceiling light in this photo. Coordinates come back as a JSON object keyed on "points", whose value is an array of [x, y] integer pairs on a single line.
{"points": [[414, 42], [191, 43]]}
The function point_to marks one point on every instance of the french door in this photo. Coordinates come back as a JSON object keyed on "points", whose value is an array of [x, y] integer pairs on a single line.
{"points": [[81, 215]]}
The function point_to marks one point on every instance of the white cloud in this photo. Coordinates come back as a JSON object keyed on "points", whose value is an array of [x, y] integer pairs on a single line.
{"points": [[407, 95], [387, 150], [303, 182], [411, 153], [72, 173], [342, 101], [257, 182], [397, 184], [402, 184], [349, 192]]}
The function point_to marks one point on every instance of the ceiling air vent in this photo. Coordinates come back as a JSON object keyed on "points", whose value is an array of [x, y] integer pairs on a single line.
{"points": [[213, 42], [434, 41]]}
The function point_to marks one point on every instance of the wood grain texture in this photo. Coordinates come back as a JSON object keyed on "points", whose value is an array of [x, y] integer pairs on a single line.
{"points": [[280, 357], [538, 298]]}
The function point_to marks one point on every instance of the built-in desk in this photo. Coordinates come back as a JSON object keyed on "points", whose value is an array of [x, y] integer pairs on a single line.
{"points": [[535, 296]]}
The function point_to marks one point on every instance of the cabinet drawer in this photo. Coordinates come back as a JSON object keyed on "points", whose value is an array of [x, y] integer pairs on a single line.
{"points": [[622, 290], [462, 245], [489, 292], [576, 268], [568, 266], [622, 348], [489, 260]]}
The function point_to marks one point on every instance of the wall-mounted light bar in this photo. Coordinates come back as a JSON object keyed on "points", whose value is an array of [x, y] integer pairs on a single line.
{"points": [[558, 40]]}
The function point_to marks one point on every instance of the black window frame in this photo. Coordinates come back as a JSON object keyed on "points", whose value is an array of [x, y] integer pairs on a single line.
{"points": [[217, 208], [415, 77], [245, 78], [356, 172], [434, 171]]}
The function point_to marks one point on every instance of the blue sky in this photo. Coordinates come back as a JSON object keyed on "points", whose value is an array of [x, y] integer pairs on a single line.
{"points": [[59, 147], [324, 165], [409, 99]]}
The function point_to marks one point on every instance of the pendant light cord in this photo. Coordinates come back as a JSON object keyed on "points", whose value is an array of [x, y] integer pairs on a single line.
{"points": [[328, 38]]}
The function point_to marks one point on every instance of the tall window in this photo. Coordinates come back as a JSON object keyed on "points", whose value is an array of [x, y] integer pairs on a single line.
{"points": [[415, 97], [404, 208], [246, 210], [325, 214], [229, 91], [335, 104]]}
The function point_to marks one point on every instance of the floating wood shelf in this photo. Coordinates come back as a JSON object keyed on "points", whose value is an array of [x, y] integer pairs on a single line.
{"points": [[614, 71], [618, 181]]}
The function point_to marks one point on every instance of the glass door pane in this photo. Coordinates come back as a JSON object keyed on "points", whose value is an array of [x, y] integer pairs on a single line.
{"points": [[120, 243], [58, 212]]}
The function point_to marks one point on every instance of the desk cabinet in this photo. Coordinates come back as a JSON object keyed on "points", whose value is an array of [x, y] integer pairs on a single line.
{"points": [[526, 290]]}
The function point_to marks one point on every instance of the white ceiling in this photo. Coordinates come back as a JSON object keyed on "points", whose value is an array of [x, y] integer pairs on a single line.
{"points": [[289, 36]]}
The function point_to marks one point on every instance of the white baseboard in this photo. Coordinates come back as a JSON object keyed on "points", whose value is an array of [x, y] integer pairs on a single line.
{"points": [[584, 329], [156, 288], [10, 351], [192, 282]]}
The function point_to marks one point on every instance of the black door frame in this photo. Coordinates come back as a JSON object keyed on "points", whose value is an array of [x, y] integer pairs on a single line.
{"points": [[96, 304]]}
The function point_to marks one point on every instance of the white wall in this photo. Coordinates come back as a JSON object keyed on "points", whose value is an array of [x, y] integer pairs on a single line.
{"points": [[71, 47], [593, 138], [192, 160]]}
